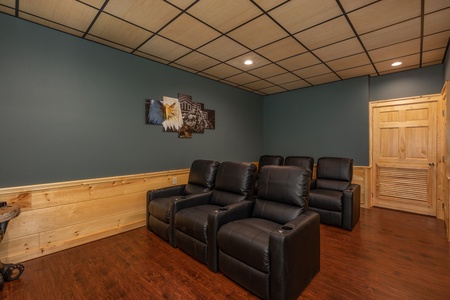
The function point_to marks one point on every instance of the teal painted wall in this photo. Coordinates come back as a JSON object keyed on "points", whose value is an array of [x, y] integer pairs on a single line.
{"points": [[326, 120], [72, 109], [333, 119]]}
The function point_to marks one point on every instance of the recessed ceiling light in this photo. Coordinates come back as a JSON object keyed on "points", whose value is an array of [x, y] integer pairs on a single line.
{"points": [[248, 62], [396, 64]]}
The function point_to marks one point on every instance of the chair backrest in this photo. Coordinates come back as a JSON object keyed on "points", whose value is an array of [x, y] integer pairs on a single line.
{"points": [[234, 182], [334, 173], [202, 176], [306, 162], [282, 193], [266, 160]]}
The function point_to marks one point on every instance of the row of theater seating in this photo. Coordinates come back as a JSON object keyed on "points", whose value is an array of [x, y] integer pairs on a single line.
{"points": [[332, 195], [268, 242]]}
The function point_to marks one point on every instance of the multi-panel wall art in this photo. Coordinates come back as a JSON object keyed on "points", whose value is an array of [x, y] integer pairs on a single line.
{"points": [[180, 115]]}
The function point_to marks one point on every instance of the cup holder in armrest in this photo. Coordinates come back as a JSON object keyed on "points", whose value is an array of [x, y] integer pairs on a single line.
{"points": [[221, 209], [286, 227], [181, 198]]}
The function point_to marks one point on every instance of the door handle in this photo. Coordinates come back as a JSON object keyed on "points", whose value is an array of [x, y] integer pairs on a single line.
{"points": [[431, 164]]}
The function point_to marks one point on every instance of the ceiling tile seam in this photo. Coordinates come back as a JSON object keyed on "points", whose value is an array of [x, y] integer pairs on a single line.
{"points": [[16, 10], [298, 41], [182, 10], [357, 35], [308, 50], [422, 29], [167, 24], [95, 18], [364, 6]]}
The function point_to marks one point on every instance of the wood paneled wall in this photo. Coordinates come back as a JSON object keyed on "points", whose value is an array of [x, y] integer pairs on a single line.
{"points": [[58, 216]]}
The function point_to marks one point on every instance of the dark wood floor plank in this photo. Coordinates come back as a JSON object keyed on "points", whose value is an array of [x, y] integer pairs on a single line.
{"points": [[388, 255]]}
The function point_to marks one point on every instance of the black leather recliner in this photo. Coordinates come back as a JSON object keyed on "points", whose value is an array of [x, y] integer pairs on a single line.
{"points": [[306, 162], [332, 193], [195, 231], [266, 160], [273, 247], [160, 217]]}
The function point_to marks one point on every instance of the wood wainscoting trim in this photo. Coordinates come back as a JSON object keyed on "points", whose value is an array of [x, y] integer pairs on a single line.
{"points": [[57, 216]]}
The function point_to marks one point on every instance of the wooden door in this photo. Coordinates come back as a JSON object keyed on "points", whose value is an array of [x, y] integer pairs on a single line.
{"points": [[404, 154]]}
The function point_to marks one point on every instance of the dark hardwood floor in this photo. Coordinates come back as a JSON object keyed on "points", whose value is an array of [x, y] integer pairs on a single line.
{"points": [[389, 255]]}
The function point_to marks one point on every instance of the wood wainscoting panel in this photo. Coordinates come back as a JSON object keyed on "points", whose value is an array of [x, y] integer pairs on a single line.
{"points": [[57, 216]]}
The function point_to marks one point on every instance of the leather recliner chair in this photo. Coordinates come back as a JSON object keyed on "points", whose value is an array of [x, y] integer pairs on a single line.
{"points": [[332, 193], [272, 248], [160, 217], [195, 231], [306, 162]]}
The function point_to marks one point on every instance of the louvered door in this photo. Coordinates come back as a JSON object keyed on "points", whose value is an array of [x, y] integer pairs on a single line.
{"points": [[404, 155]]}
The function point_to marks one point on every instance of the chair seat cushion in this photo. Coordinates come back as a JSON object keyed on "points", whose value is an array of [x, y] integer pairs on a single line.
{"points": [[160, 208], [247, 240], [326, 199], [193, 221]]}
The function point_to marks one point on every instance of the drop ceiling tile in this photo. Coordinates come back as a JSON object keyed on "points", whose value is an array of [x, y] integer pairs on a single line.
{"points": [[51, 24], [119, 32], [312, 71], [259, 84], [108, 43], [348, 62], [434, 41], [189, 32], [95, 3], [267, 71], [196, 61], [430, 26], [433, 56], [9, 3], [357, 72], [434, 5], [408, 61], [326, 33], [341, 49], [330, 77], [300, 61], [242, 79], [181, 67], [394, 51], [295, 85], [283, 78], [268, 5], [151, 57], [250, 34], [272, 90], [350, 5], [392, 35], [223, 49], [9, 11], [302, 14], [151, 15], [182, 4], [224, 15], [163, 48], [222, 71], [384, 13], [63, 12], [281, 49], [258, 61]]}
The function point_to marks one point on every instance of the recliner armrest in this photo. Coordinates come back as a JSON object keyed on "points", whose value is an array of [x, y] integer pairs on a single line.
{"points": [[295, 255], [223, 215], [191, 200], [166, 192], [351, 206]]}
